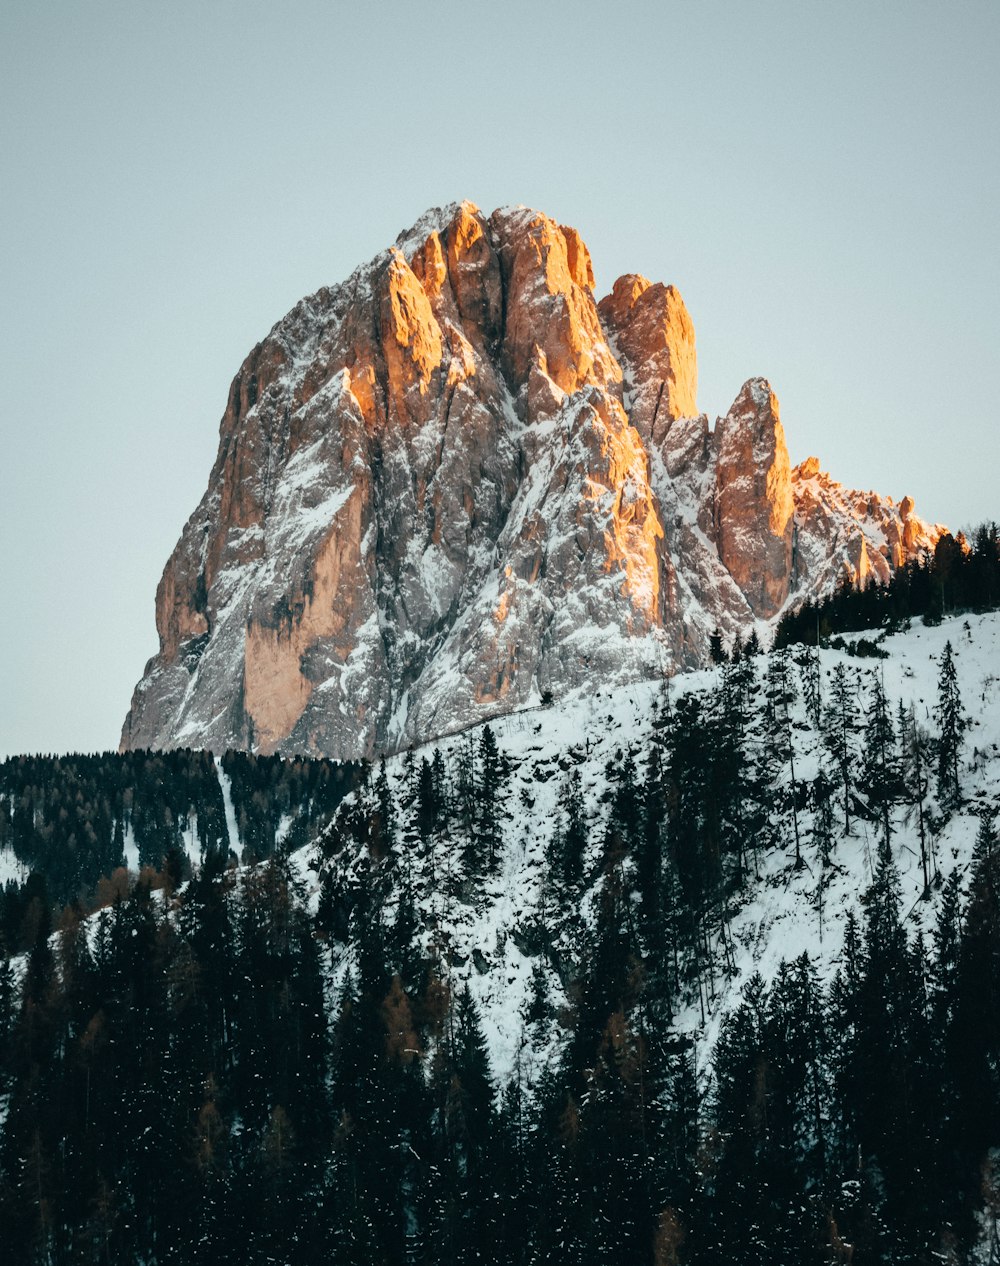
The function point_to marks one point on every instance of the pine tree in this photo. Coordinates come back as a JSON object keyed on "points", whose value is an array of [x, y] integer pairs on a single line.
{"points": [[731, 786], [812, 685], [569, 842], [880, 777], [428, 801], [490, 787], [841, 724], [383, 832], [947, 940], [781, 694], [951, 721], [465, 788], [914, 748], [649, 854], [693, 842]]}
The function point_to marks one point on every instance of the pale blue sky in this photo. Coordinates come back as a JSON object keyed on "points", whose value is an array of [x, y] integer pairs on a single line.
{"points": [[820, 180]]}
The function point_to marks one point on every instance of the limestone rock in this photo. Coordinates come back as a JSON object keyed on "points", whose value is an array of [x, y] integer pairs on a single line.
{"points": [[454, 482], [551, 323], [654, 335], [754, 504], [843, 532]]}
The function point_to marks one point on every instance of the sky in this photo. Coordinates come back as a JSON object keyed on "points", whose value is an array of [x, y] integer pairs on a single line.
{"points": [[819, 180]]}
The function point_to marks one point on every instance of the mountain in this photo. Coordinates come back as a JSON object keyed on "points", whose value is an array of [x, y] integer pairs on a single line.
{"points": [[456, 484]]}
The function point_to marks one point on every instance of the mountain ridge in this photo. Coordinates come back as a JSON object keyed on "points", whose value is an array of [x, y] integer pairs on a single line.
{"points": [[456, 483]]}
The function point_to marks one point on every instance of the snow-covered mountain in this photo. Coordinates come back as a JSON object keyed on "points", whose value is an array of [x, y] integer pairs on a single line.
{"points": [[456, 483]]}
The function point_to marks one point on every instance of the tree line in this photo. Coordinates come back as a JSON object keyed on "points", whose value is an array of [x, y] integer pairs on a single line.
{"points": [[960, 575], [68, 819]]}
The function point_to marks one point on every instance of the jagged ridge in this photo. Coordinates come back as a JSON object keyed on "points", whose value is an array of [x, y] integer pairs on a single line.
{"points": [[456, 482]]}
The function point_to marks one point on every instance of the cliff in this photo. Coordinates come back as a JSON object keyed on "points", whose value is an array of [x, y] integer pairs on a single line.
{"points": [[456, 482]]}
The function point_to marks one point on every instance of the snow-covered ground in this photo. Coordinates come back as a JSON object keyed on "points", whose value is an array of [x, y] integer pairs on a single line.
{"points": [[232, 829], [487, 934], [11, 870], [778, 916]]}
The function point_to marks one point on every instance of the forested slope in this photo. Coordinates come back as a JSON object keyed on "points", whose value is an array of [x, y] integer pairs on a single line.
{"points": [[698, 972]]}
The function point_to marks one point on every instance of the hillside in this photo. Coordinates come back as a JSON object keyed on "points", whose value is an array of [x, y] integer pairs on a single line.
{"points": [[649, 971], [778, 911]]}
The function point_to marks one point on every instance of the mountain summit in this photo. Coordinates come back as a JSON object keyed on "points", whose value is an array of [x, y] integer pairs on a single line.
{"points": [[456, 482]]}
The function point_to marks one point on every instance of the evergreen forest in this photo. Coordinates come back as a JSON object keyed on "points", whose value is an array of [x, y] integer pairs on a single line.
{"points": [[497, 999]]}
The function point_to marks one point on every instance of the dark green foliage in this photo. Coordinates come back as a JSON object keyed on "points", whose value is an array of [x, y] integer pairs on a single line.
{"points": [[959, 576], [491, 780], [67, 817], [206, 1071], [880, 778], [950, 717]]}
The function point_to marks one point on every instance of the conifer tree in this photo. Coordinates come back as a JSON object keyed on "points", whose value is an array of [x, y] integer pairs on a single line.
{"points": [[880, 777], [812, 685], [384, 825], [731, 784], [428, 801], [490, 789], [841, 723], [951, 721], [569, 842], [649, 854], [947, 941], [914, 748], [781, 694]]}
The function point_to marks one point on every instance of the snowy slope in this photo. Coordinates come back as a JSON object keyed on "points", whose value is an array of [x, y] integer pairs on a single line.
{"points": [[488, 934]]}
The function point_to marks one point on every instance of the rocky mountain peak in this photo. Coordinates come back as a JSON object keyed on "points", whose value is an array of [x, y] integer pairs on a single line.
{"points": [[654, 335], [883, 535], [551, 329], [454, 483], [754, 505]]}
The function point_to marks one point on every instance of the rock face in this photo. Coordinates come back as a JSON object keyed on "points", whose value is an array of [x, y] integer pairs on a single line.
{"points": [[754, 504], [455, 482], [861, 535], [654, 336]]}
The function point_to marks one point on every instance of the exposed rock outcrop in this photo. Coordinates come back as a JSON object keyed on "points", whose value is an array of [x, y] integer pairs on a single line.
{"points": [[754, 506], [455, 482], [842, 532], [654, 336]]}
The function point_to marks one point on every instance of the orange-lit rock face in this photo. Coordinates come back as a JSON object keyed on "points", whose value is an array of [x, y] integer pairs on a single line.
{"points": [[654, 335], [411, 341], [275, 688], [551, 322], [617, 491], [454, 482], [581, 268], [754, 503], [460, 273], [860, 535], [474, 272]]}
